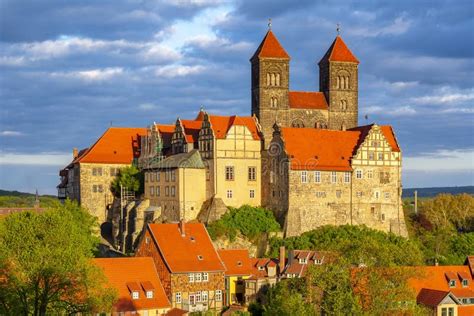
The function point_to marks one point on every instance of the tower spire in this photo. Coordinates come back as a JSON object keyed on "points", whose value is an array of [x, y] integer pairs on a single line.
{"points": [[269, 23]]}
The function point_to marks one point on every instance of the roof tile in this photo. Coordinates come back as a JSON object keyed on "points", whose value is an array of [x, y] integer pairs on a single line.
{"points": [[270, 47], [338, 51], [307, 100]]}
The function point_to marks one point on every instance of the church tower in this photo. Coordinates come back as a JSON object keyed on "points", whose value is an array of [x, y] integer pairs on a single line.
{"points": [[270, 85], [338, 80]]}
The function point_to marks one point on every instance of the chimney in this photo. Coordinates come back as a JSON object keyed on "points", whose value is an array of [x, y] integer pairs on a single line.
{"points": [[291, 254], [282, 258], [75, 152], [182, 227]]}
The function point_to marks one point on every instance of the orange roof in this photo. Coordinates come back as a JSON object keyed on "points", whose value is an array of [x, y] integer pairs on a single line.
{"points": [[191, 130], [436, 278], [137, 274], [387, 131], [117, 145], [270, 47], [221, 125], [338, 51], [192, 253], [307, 100], [465, 310], [236, 261], [319, 149], [430, 297], [166, 132], [262, 263]]}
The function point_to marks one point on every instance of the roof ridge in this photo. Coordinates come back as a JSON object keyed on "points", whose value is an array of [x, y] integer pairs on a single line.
{"points": [[270, 47], [339, 51]]}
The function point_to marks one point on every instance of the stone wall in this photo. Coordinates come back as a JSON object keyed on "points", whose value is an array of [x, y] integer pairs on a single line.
{"points": [[309, 118]]}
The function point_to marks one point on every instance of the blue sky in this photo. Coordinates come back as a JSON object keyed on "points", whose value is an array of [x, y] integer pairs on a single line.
{"points": [[70, 68]]}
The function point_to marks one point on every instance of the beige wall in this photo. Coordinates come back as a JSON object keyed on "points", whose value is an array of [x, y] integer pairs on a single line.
{"points": [[189, 192], [240, 151]]}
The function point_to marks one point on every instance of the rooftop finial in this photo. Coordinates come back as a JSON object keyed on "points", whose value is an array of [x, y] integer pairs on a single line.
{"points": [[338, 28], [202, 108], [270, 23]]}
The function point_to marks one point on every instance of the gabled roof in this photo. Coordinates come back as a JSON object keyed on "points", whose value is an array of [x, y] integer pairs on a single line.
{"points": [[307, 100], [117, 145], [191, 130], [387, 131], [319, 149], [193, 252], [190, 160], [137, 274], [295, 267], [262, 263], [166, 132], [270, 47], [432, 298], [221, 125], [236, 261], [338, 51]]}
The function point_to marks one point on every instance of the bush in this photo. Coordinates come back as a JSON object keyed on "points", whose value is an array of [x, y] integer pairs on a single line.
{"points": [[246, 220]]}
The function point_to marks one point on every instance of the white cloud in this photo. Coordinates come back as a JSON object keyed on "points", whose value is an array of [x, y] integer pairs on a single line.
{"points": [[447, 98], [399, 85], [11, 133], [40, 159], [441, 160], [399, 26], [391, 111], [91, 75], [171, 71], [148, 106]]}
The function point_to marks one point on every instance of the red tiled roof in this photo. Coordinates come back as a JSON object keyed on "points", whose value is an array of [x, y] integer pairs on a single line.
{"points": [[270, 47], [177, 312], [125, 273], [117, 145], [431, 297], [318, 149], [310, 255], [387, 131], [434, 277], [263, 263], [191, 130], [236, 261], [307, 100], [221, 125], [192, 253], [338, 51], [465, 310], [166, 132], [470, 263]]}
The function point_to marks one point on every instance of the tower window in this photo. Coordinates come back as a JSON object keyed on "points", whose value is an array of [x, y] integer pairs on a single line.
{"points": [[273, 79], [343, 105], [274, 102]]}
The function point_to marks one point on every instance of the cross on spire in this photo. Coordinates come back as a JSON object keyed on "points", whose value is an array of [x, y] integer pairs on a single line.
{"points": [[338, 28], [270, 23]]}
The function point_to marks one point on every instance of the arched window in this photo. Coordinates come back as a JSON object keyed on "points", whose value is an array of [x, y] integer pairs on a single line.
{"points": [[343, 105], [347, 83], [268, 79], [343, 127], [297, 123], [277, 80], [273, 79], [338, 82], [273, 102]]}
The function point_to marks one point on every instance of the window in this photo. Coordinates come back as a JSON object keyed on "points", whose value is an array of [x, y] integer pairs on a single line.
{"points": [[333, 177], [252, 194], [273, 79], [317, 176], [146, 176], [229, 173], [229, 194], [204, 296], [218, 295], [343, 105], [191, 277], [252, 173], [347, 177], [198, 296], [321, 194], [158, 176], [173, 191], [452, 283], [380, 156], [167, 191], [370, 174], [205, 277], [377, 195], [152, 177], [304, 176], [167, 176], [178, 297], [387, 195], [94, 188], [382, 217], [152, 191], [100, 188], [303, 261], [135, 295], [274, 102], [465, 283], [358, 174], [157, 191], [338, 194], [97, 171], [173, 175], [359, 194], [272, 176], [198, 277], [318, 261], [149, 294], [371, 156], [147, 240]]}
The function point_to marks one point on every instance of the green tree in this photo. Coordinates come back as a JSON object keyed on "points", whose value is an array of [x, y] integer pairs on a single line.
{"points": [[129, 178], [358, 245], [286, 299], [45, 264]]}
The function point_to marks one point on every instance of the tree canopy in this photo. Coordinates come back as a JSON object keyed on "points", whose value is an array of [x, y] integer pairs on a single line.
{"points": [[129, 178], [45, 263]]}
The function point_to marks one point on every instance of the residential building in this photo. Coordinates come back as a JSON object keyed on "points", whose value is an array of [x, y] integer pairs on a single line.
{"points": [[265, 273], [238, 267], [446, 290], [299, 261], [138, 287], [326, 177], [188, 266], [87, 179]]}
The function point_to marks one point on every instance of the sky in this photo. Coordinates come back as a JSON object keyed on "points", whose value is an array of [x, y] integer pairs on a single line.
{"points": [[70, 69]]}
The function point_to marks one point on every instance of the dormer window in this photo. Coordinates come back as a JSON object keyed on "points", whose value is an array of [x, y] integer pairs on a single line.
{"points": [[200, 257], [452, 283], [239, 263], [465, 282], [261, 268], [303, 261], [318, 261], [149, 294], [135, 295], [192, 239]]}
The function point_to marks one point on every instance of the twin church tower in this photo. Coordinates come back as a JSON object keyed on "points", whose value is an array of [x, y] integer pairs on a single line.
{"points": [[334, 107]]}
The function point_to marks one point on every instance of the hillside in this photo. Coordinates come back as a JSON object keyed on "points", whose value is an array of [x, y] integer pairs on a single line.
{"points": [[22, 199], [431, 192]]}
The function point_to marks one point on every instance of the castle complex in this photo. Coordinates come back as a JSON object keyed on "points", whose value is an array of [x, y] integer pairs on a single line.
{"points": [[300, 154]]}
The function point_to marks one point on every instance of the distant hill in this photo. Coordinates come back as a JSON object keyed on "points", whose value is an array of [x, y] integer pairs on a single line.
{"points": [[22, 199], [17, 193], [431, 192]]}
